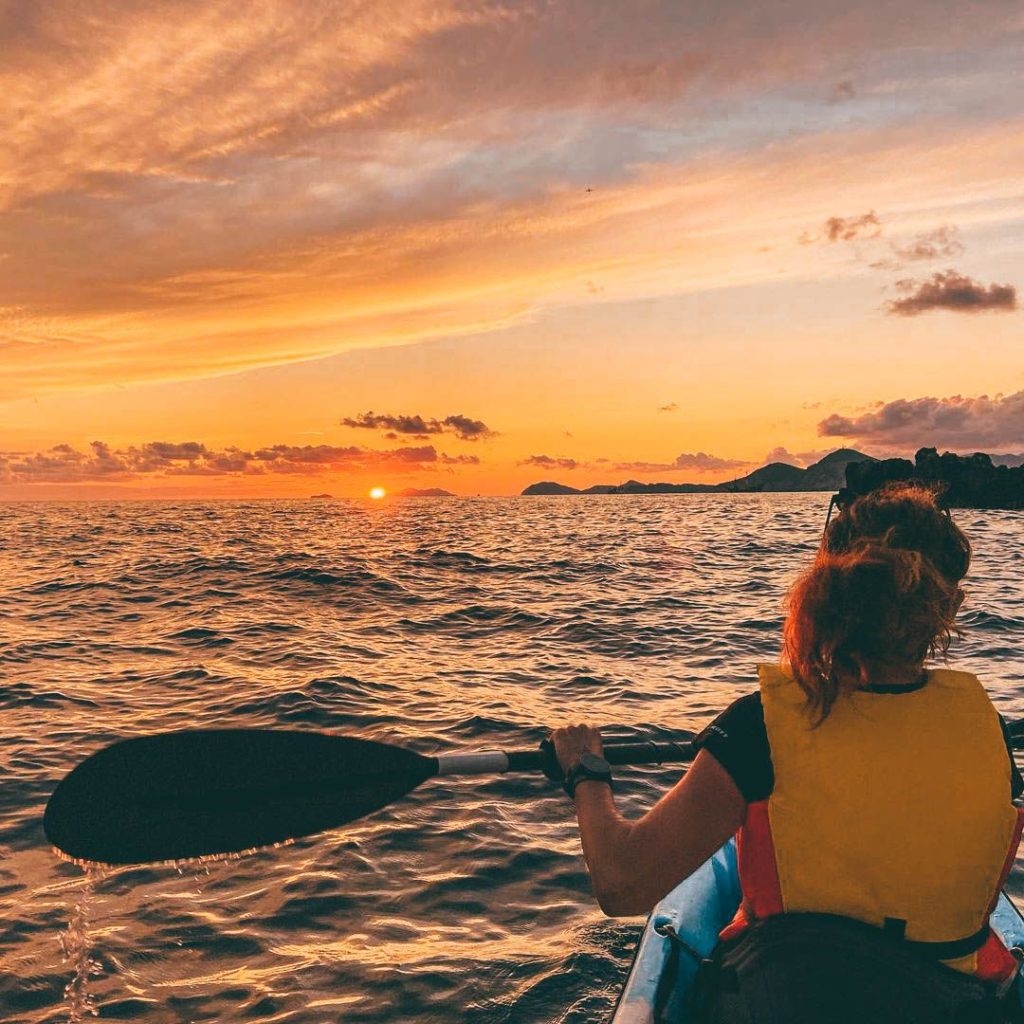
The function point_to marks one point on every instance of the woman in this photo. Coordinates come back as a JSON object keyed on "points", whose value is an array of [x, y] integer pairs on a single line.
{"points": [[863, 789]]}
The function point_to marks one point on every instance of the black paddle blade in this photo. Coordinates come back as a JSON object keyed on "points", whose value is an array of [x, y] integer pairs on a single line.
{"points": [[204, 792]]}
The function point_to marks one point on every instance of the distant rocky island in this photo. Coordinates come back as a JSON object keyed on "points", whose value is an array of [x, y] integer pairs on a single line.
{"points": [[321, 497], [828, 474], [965, 481], [424, 492]]}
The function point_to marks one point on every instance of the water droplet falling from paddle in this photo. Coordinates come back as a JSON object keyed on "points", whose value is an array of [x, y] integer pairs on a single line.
{"points": [[76, 946]]}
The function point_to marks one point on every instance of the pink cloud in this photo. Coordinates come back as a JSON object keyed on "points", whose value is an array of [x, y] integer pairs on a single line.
{"points": [[955, 422], [700, 462]]}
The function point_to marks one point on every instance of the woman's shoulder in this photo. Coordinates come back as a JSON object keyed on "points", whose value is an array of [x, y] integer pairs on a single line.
{"points": [[739, 742]]}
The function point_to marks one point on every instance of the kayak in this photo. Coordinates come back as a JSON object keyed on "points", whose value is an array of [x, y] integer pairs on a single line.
{"points": [[695, 912]]}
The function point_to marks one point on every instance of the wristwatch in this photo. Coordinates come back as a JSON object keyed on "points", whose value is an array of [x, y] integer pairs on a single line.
{"points": [[590, 766]]}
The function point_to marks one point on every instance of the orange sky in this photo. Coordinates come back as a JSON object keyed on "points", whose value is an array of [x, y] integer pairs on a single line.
{"points": [[662, 241]]}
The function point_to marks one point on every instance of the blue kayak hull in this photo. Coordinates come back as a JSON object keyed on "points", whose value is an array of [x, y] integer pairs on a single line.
{"points": [[697, 909]]}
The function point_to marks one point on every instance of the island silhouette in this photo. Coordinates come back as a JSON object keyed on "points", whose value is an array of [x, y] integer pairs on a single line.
{"points": [[423, 492], [828, 474], [964, 481]]}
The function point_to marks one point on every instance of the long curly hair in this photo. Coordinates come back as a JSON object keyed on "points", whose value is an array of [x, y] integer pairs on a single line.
{"points": [[881, 595]]}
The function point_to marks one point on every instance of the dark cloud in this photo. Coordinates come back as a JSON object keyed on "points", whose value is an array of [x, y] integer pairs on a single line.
{"points": [[671, 407], [463, 427], [395, 424], [953, 291], [955, 422], [64, 464], [466, 428]]}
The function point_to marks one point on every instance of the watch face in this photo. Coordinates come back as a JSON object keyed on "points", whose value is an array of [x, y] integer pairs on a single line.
{"points": [[593, 763]]}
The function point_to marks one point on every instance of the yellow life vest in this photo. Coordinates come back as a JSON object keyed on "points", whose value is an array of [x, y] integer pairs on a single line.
{"points": [[895, 811]]}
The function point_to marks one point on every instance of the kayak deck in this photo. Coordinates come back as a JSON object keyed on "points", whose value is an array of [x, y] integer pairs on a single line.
{"points": [[697, 909]]}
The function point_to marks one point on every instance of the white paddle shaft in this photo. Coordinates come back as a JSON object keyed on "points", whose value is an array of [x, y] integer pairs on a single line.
{"points": [[480, 762]]}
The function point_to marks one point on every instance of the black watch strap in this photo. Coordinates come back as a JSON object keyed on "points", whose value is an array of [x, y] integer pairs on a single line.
{"points": [[583, 773]]}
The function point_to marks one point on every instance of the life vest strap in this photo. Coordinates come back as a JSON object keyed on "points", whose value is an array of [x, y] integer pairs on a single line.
{"points": [[896, 928], [952, 950]]}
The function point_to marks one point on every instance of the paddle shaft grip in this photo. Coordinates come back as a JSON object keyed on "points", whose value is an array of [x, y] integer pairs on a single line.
{"points": [[490, 762], [614, 753]]}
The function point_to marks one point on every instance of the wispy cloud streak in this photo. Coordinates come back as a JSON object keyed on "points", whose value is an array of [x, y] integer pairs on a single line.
{"points": [[192, 189]]}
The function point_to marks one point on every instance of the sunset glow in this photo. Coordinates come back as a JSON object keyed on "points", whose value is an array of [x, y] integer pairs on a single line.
{"points": [[272, 251], [377, 493]]}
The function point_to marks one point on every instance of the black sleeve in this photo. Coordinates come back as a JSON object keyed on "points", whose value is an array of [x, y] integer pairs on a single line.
{"points": [[1016, 782], [739, 742]]}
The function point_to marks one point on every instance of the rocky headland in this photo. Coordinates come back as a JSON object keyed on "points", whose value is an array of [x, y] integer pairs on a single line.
{"points": [[964, 481]]}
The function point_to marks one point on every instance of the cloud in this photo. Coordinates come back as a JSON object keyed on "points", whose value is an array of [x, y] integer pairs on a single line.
{"points": [[931, 245], [939, 243], [801, 459], [781, 454], [954, 422], [468, 429], [197, 189], [700, 462], [671, 407], [458, 460], [953, 291], [551, 462], [463, 427], [846, 229], [705, 463], [160, 459]]}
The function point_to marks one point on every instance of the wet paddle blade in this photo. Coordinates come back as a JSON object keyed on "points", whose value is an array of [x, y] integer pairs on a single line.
{"points": [[205, 792]]}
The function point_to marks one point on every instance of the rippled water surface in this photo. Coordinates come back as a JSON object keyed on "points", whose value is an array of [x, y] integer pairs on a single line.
{"points": [[440, 624]]}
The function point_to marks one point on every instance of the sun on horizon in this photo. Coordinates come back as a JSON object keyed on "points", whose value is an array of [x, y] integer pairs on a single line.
{"points": [[377, 493]]}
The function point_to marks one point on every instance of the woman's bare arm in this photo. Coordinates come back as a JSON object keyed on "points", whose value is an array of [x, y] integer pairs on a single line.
{"points": [[633, 864]]}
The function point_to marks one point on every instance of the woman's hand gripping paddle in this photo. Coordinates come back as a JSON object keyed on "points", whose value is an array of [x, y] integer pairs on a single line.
{"points": [[201, 793]]}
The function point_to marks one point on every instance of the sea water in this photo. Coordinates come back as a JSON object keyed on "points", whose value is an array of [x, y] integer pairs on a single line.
{"points": [[439, 624]]}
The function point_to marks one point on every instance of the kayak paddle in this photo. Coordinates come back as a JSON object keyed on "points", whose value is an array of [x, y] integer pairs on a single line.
{"points": [[200, 793]]}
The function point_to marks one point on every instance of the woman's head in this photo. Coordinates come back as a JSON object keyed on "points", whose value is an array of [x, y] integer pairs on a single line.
{"points": [[905, 516], [882, 594]]}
